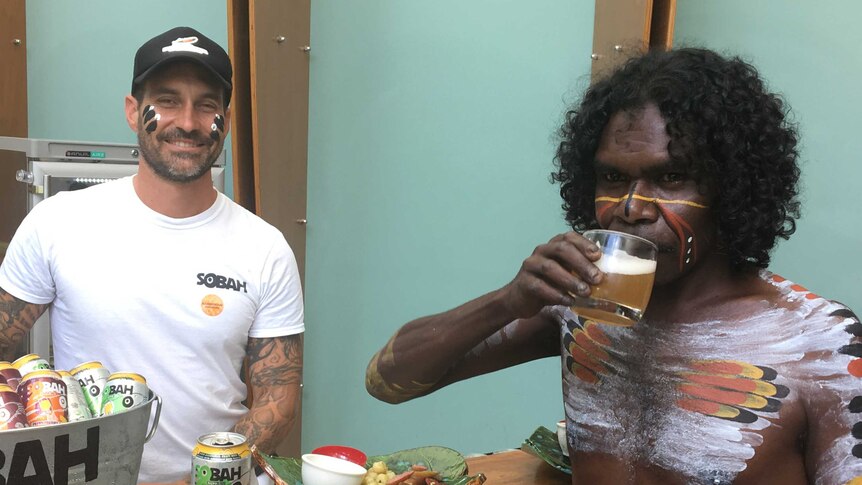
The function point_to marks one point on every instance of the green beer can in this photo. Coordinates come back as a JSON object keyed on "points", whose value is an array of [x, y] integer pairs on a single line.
{"points": [[92, 377], [30, 363], [123, 391], [222, 458], [77, 408]]}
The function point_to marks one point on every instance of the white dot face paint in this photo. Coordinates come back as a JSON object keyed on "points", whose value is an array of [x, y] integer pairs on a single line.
{"points": [[217, 127], [695, 398]]}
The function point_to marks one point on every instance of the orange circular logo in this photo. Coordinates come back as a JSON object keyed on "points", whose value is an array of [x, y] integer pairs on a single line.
{"points": [[212, 305]]}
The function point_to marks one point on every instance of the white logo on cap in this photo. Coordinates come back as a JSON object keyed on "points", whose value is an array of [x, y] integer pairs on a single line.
{"points": [[185, 44]]}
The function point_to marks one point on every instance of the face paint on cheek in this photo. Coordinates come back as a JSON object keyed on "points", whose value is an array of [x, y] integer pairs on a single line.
{"points": [[687, 241], [150, 118], [680, 227], [217, 127], [603, 212]]}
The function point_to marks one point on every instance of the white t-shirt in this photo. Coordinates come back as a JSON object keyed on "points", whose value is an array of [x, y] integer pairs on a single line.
{"points": [[174, 300]]}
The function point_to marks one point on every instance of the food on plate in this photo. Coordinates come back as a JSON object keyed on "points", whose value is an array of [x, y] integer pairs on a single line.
{"points": [[380, 474], [423, 466]]}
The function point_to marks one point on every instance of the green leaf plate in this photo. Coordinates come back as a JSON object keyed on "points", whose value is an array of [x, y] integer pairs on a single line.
{"points": [[544, 444], [448, 462]]}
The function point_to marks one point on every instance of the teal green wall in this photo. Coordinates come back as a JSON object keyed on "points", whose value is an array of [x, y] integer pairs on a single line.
{"points": [[431, 140], [810, 54], [80, 55], [430, 148]]}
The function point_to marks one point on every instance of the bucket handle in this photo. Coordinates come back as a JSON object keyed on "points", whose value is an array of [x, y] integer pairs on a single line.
{"points": [[155, 425]]}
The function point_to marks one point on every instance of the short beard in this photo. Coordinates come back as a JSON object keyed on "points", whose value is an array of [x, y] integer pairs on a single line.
{"points": [[163, 169]]}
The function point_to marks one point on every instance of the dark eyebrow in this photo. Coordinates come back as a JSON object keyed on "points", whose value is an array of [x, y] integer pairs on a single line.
{"points": [[159, 90], [671, 165]]}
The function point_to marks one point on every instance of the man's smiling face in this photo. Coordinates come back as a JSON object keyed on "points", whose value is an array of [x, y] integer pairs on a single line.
{"points": [[181, 105]]}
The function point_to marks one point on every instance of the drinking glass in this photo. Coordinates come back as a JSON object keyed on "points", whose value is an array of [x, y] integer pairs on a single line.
{"points": [[628, 263]]}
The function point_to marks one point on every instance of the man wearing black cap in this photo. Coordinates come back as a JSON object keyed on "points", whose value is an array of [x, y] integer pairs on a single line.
{"points": [[195, 286]]}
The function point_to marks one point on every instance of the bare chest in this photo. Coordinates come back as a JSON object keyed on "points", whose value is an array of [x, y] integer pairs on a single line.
{"points": [[704, 404]]}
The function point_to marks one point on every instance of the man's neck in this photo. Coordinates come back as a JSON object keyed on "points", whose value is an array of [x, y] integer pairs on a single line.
{"points": [[174, 199], [709, 290]]}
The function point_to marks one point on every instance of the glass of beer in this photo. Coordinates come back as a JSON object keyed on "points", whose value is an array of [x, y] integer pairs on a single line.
{"points": [[628, 263]]}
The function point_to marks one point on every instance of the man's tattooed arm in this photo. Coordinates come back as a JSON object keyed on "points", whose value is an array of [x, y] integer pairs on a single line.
{"points": [[16, 319], [275, 375]]}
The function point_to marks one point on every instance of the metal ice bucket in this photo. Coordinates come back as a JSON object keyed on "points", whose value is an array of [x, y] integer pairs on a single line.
{"points": [[98, 451]]}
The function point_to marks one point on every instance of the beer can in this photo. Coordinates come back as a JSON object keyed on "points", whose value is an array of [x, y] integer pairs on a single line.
{"points": [[123, 391], [222, 457], [9, 375], [77, 408], [12, 414], [43, 395], [92, 377], [29, 363]]}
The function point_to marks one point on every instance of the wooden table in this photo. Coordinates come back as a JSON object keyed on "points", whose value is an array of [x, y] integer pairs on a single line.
{"points": [[516, 467]]}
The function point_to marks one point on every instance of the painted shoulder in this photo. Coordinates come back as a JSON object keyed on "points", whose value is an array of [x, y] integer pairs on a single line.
{"points": [[810, 306]]}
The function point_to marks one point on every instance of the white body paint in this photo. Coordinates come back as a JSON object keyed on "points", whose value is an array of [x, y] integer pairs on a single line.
{"points": [[632, 413]]}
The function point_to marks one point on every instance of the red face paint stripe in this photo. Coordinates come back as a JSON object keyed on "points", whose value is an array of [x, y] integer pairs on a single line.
{"points": [[855, 367], [686, 228], [679, 219], [600, 212], [677, 228]]}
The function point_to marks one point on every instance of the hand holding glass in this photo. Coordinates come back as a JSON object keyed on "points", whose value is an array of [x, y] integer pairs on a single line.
{"points": [[628, 263]]}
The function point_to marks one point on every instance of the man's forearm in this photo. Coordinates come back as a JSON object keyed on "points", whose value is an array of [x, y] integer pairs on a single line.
{"points": [[275, 382], [16, 319], [421, 352], [271, 417]]}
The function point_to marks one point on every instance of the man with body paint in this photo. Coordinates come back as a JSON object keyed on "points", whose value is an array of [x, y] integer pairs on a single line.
{"points": [[734, 375], [161, 275]]}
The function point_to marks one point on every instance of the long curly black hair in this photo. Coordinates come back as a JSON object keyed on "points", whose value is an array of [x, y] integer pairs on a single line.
{"points": [[732, 134]]}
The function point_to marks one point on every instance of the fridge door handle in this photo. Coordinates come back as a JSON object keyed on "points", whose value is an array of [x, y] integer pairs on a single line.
{"points": [[24, 176], [46, 186]]}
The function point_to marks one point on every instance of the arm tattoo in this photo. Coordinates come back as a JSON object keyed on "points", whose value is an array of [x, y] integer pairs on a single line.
{"points": [[16, 319], [275, 376]]}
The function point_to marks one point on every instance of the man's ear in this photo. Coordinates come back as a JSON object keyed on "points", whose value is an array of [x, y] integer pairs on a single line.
{"points": [[226, 122], [132, 113]]}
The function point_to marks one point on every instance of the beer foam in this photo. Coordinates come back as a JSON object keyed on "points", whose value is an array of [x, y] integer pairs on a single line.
{"points": [[621, 262]]}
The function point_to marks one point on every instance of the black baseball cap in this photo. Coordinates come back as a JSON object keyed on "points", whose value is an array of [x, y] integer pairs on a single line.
{"points": [[183, 43]]}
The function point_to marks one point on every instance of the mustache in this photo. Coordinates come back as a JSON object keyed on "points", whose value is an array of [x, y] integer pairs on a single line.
{"points": [[180, 134]]}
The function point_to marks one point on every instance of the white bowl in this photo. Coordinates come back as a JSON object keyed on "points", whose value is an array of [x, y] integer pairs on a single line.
{"points": [[328, 470], [561, 437]]}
